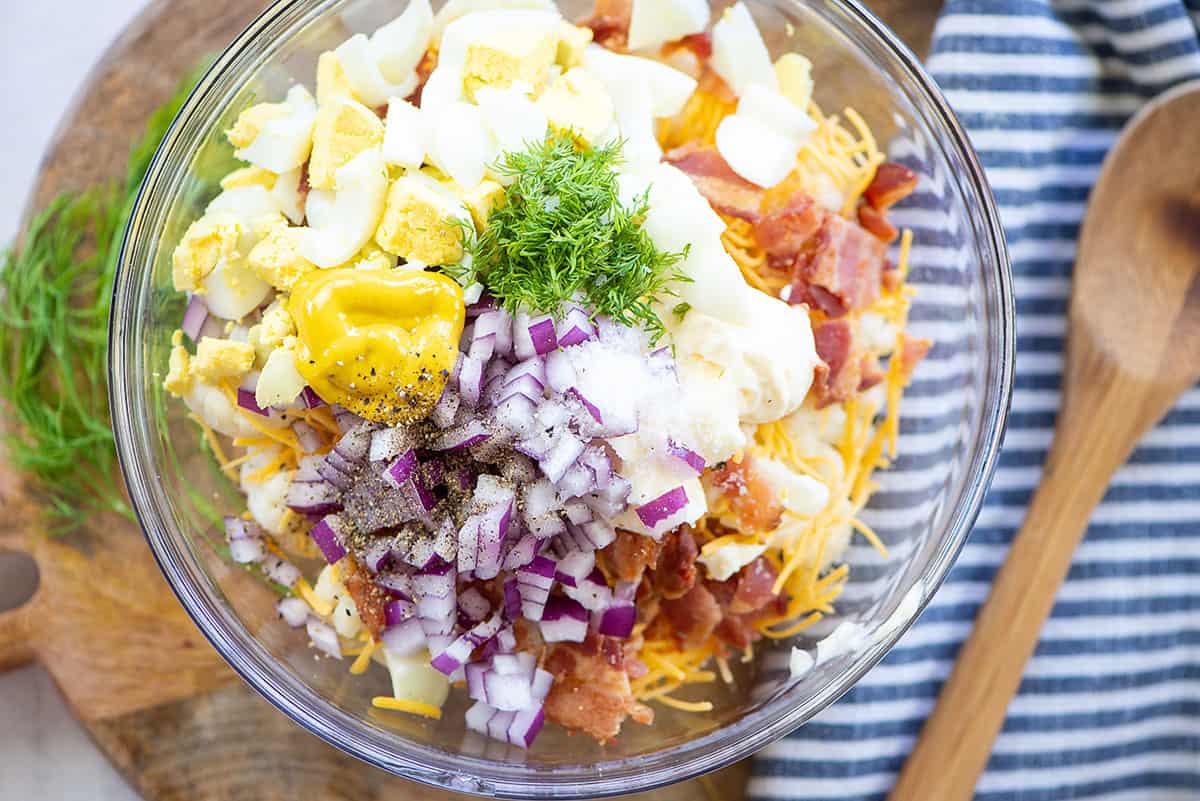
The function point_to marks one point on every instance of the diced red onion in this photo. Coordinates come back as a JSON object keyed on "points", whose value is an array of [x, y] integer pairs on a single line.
{"points": [[468, 546], [618, 620], [473, 606], [522, 664], [398, 585], [471, 433], [470, 380], [355, 444], [280, 571], [543, 680], [237, 528], [510, 693], [405, 638], [499, 724], [397, 610], [346, 420], [512, 599], [307, 436], [476, 686], [444, 410], [493, 529], [577, 512], [560, 375], [574, 567], [388, 443], [564, 620], [534, 368], [653, 512], [589, 407], [542, 335], [477, 308], [577, 481], [247, 551], [515, 414], [546, 526], [454, 656], [563, 453], [294, 611], [539, 573], [310, 398], [687, 455], [524, 385], [401, 470], [194, 317], [245, 399], [324, 638], [575, 328], [591, 591], [482, 347], [521, 553], [525, 726], [600, 533], [327, 535]]}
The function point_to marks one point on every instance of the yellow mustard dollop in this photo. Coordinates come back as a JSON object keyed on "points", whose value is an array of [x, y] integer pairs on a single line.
{"points": [[379, 342]]}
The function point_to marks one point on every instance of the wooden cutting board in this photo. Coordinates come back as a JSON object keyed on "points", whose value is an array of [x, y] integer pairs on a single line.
{"points": [[153, 694]]}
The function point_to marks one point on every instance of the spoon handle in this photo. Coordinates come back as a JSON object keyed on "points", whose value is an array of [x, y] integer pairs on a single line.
{"points": [[957, 739]]}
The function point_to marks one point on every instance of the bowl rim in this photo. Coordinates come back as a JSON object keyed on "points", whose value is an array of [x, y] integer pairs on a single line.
{"points": [[767, 724]]}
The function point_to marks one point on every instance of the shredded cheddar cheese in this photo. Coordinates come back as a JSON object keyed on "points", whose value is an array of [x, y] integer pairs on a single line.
{"points": [[412, 707], [363, 659]]}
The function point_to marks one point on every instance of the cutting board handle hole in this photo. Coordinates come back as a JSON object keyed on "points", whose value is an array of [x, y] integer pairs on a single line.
{"points": [[18, 579]]}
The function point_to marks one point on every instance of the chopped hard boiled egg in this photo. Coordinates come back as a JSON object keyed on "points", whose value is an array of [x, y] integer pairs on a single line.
{"points": [[400, 45], [481, 200], [754, 151], [456, 9], [506, 56], [179, 377], [286, 193], [406, 137], [794, 74], [332, 82], [349, 215], [760, 140], [233, 290], [217, 359], [572, 39], [344, 129], [739, 54], [668, 87], [513, 118], [729, 559], [578, 102], [461, 144], [800, 494], [282, 141], [276, 258], [280, 382], [418, 221], [383, 66], [655, 22], [249, 176], [209, 241]]}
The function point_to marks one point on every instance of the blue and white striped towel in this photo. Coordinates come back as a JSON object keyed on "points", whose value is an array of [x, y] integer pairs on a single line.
{"points": [[1110, 705]]}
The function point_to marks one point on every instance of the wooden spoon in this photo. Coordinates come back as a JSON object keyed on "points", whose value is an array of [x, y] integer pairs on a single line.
{"points": [[1133, 347]]}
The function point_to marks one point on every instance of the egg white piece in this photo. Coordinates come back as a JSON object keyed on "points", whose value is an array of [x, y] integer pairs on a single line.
{"points": [[399, 46], [668, 88], [347, 221], [286, 194], [512, 117], [462, 144], [406, 136], [776, 112], [739, 54], [366, 78], [754, 151], [632, 104], [654, 22], [456, 9], [232, 290], [284, 142]]}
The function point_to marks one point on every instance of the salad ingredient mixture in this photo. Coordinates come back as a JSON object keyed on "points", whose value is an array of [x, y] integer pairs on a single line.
{"points": [[571, 364]]}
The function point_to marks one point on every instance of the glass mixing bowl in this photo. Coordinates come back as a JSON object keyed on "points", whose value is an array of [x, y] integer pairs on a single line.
{"points": [[953, 424]]}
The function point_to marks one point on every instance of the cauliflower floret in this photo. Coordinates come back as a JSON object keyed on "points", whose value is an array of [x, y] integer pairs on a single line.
{"points": [[277, 260], [221, 358], [179, 376], [209, 241], [579, 103], [344, 129], [419, 222], [507, 56]]}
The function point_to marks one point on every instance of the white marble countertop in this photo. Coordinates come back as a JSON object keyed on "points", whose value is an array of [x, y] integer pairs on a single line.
{"points": [[44, 752]]}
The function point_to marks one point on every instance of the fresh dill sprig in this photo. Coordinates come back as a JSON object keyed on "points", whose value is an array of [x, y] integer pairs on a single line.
{"points": [[55, 295], [563, 234]]}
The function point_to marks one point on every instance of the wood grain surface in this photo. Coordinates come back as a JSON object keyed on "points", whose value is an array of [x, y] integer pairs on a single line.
{"points": [[142, 679]]}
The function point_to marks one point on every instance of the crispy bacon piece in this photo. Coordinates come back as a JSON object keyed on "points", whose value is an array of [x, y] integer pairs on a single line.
{"points": [[693, 617], [627, 557], [870, 372], [838, 378], [368, 597], [786, 229], [591, 690], [753, 586], [609, 22], [675, 573], [912, 351], [304, 187], [892, 183], [840, 268], [745, 598], [724, 189], [877, 223], [752, 499], [424, 68], [698, 44]]}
